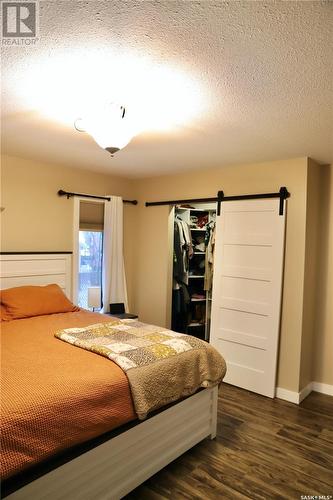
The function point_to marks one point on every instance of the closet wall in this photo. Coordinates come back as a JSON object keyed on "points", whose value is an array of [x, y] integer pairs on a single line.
{"points": [[322, 340], [311, 267], [153, 283]]}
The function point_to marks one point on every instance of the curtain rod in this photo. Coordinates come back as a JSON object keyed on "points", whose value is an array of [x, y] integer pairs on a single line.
{"points": [[282, 194], [61, 192]]}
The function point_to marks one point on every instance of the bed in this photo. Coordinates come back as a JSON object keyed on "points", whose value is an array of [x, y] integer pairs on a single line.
{"points": [[101, 449]]}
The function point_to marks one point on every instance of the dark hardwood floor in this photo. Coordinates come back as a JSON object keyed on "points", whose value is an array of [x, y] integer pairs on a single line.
{"points": [[265, 449]]}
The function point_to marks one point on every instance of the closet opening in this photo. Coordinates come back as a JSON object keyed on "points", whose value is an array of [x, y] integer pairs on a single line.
{"points": [[192, 267]]}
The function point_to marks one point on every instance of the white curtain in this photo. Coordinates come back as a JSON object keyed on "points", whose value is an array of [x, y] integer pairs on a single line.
{"points": [[114, 281]]}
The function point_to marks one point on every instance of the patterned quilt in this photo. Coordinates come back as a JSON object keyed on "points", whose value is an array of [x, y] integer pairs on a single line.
{"points": [[162, 366]]}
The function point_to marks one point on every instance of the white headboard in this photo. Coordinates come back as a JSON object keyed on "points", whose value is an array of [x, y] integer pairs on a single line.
{"points": [[36, 269]]}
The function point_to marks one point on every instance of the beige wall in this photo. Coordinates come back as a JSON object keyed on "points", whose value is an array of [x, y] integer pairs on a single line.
{"points": [[151, 285], [311, 269], [37, 219], [322, 347]]}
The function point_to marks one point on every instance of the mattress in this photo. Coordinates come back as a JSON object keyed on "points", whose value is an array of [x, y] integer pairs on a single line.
{"points": [[53, 396]]}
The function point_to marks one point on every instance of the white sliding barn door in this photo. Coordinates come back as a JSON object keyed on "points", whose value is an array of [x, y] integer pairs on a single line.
{"points": [[247, 285]]}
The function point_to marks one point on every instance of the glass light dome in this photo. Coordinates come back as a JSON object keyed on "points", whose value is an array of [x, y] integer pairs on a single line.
{"points": [[110, 127]]}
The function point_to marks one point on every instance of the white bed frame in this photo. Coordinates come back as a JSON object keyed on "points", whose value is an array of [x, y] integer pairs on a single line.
{"points": [[36, 269], [116, 467]]}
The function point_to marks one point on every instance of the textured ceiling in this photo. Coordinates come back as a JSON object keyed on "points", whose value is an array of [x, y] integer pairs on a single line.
{"points": [[209, 83]]}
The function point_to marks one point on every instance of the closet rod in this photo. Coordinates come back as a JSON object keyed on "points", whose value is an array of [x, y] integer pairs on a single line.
{"points": [[61, 192]]}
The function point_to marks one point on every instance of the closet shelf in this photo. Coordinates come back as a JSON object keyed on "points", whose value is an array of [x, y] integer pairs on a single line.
{"points": [[195, 324], [195, 276], [196, 209], [198, 229], [199, 253], [198, 300], [203, 209]]}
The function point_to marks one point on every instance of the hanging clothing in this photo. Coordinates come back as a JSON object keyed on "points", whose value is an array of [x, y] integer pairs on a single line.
{"points": [[180, 309], [188, 238], [114, 280], [209, 257], [183, 251], [178, 262]]}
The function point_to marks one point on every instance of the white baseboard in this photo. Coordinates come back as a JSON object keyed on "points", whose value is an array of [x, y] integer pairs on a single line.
{"points": [[305, 392], [287, 395], [323, 388], [297, 397]]}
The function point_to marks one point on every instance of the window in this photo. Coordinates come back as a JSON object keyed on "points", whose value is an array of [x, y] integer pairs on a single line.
{"points": [[88, 251], [90, 263]]}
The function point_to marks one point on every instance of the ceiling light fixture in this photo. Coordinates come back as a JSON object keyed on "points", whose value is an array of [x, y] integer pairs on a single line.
{"points": [[108, 126]]}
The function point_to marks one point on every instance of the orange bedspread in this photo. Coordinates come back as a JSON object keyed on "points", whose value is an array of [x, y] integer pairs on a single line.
{"points": [[55, 396]]}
